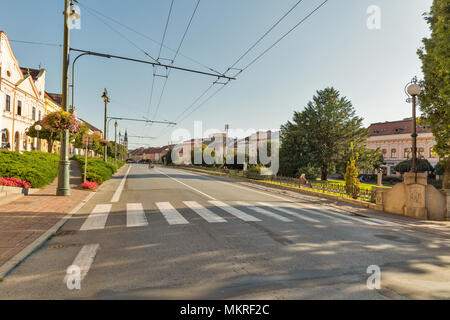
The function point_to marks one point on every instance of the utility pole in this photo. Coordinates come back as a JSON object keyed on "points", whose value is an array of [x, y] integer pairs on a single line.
{"points": [[105, 137], [115, 141], [63, 173]]}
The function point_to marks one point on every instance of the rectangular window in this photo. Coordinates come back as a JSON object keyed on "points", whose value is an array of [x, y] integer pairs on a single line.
{"points": [[40, 115], [393, 153], [33, 113], [384, 151], [19, 107], [8, 103], [421, 152], [407, 154]]}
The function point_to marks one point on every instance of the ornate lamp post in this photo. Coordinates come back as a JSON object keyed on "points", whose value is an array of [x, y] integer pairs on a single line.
{"points": [[105, 148], [70, 15], [412, 90]]}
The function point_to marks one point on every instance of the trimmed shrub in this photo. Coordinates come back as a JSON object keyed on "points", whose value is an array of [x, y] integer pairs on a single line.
{"points": [[35, 167], [98, 170], [352, 185]]}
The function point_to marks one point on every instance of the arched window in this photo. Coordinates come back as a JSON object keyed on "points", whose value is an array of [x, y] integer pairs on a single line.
{"points": [[25, 142], [5, 139]]}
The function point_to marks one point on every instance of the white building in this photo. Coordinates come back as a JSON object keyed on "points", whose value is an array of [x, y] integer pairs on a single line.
{"points": [[394, 140], [21, 99]]}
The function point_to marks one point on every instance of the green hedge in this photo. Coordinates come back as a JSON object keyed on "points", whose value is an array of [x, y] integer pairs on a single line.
{"points": [[38, 168], [97, 169]]}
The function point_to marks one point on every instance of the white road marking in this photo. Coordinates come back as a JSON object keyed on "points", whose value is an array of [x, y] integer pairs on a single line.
{"points": [[205, 213], [184, 184], [264, 211], [119, 190], [326, 213], [314, 210], [136, 215], [170, 213], [343, 216], [287, 211], [233, 211], [97, 219], [85, 258]]}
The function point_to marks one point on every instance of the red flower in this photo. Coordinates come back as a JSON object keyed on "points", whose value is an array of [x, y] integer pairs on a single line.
{"points": [[91, 185], [14, 182]]}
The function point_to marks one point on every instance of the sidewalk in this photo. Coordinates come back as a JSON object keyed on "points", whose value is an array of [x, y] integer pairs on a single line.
{"points": [[26, 219]]}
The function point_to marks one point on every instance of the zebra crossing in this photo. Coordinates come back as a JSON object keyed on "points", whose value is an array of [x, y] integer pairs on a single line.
{"points": [[259, 211]]}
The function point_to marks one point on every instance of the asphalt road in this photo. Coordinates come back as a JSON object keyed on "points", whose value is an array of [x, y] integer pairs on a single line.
{"points": [[163, 233]]}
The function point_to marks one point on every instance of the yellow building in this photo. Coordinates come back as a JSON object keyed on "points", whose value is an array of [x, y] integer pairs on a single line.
{"points": [[52, 104]]}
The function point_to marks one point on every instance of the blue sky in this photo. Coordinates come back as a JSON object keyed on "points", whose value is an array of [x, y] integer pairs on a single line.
{"points": [[333, 48]]}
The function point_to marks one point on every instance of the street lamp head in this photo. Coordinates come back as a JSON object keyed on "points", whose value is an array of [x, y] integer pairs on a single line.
{"points": [[414, 89], [105, 96], [115, 124], [38, 127]]}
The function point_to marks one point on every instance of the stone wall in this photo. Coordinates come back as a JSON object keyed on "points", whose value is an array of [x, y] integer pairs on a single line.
{"points": [[414, 198]]}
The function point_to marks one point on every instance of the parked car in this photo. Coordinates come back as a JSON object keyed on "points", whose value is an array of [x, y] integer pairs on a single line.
{"points": [[131, 161]]}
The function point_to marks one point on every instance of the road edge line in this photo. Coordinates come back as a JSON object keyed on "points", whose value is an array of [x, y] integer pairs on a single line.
{"points": [[12, 263]]}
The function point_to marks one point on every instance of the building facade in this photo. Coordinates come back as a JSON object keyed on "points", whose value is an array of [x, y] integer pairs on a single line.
{"points": [[22, 99], [394, 140]]}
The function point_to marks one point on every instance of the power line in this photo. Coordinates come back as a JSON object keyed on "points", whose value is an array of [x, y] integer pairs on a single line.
{"points": [[120, 34], [38, 43], [253, 61], [165, 30], [265, 34], [149, 38], [176, 54], [276, 42]]}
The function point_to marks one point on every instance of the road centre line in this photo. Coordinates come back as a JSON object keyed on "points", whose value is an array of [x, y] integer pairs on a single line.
{"points": [[327, 212], [188, 186], [119, 190]]}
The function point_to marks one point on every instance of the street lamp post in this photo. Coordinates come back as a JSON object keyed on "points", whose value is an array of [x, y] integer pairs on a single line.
{"points": [[120, 143], [115, 141], [64, 163], [105, 137], [38, 128], [413, 89]]}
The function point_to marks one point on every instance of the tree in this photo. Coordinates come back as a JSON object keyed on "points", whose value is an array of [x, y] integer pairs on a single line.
{"points": [[77, 138], [435, 97], [49, 135], [422, 165], [53, 125], [320, 135], [352, 185]]}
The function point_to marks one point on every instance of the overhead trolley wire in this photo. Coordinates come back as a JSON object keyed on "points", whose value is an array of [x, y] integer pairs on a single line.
{"points": [[254, 60], [149, 38], [176, 55], [264, 35], [284, 35]]}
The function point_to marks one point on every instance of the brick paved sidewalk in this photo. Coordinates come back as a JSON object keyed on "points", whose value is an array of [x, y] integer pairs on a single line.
{"points": [[27, 218]]}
